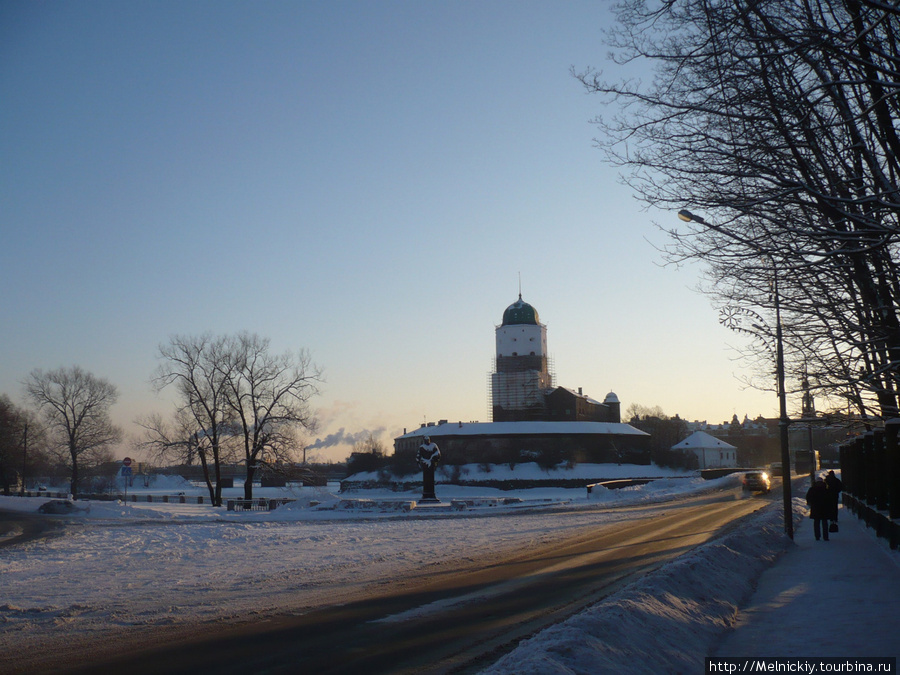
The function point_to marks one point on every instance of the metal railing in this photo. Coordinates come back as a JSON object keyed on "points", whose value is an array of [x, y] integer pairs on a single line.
{"points": [[870, 472], [256, 504]]}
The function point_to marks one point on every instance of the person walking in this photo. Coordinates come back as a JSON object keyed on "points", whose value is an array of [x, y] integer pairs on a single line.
{"points": [[834, 492], [819, 502]]}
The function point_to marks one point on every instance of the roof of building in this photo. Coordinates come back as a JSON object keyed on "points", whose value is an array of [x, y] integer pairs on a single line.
{"points": [[525, 428], [520, 312], [700, 440], [577, 394]]}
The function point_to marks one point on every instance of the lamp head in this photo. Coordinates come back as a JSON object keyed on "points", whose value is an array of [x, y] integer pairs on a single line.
{"points": [[688, 217]]}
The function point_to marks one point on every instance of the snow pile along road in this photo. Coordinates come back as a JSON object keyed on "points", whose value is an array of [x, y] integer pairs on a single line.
{"points": [[668, 621]]}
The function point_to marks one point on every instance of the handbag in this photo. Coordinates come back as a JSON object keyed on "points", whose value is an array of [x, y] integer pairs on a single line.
{"points": [[833, 527]]}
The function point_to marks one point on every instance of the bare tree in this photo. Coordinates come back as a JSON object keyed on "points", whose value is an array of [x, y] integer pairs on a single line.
{"points": [[232, 392], [75, 405], [268, 396], [371, 445], [168, 441], [639, 411], [199, 369], [779, 122], [13, 443], [23, 445]]}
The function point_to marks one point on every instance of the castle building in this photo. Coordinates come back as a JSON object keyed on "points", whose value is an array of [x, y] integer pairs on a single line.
{"points": [[521, 374], [522, 386], [530, 415]]}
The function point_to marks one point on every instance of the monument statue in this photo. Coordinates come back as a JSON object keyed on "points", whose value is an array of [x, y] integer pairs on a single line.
{"points": [[428, 457]]}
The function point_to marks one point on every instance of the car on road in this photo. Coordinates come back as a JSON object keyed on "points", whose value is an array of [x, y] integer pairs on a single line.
{"points": [[775, 469], [58, 507], [757, 481]]}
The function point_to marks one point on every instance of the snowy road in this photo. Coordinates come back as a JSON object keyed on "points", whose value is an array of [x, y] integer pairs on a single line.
{"points": [[175, 578]]}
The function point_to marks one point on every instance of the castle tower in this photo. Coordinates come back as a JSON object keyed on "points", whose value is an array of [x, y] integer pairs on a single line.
{"points": [[521, 374], [614, 408]]}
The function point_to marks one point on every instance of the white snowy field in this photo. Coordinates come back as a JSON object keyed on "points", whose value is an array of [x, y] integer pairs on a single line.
{"points": [[119, 569]]}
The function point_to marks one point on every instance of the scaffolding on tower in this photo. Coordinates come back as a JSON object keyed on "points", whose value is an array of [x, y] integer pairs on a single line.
{"points": [[518, 387]]}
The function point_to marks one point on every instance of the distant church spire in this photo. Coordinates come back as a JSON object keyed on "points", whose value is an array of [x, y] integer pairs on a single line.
{"points": [[809, 403]]}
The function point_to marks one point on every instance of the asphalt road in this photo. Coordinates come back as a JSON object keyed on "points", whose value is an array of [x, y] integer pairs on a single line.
{"points": [[452, 622]]}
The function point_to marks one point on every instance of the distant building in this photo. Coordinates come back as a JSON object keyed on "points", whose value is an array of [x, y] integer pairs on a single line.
{"points": [[566, 404], [760, 426], [472, 442], [758, 440], [711, 452]]}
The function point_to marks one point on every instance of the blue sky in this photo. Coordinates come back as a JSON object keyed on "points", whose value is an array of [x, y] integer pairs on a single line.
{"points": [[366, 180]]}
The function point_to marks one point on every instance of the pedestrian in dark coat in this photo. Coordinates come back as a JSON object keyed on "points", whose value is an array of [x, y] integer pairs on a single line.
{"points": [[819, 508], [834, 491]]}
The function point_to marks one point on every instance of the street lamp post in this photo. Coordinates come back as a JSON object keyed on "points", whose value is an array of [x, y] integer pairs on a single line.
{"points": [[783, 420], [24, 457]]}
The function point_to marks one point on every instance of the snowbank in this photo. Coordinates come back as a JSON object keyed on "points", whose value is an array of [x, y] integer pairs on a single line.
{"points": [[324, 503], [531, 471], [667, 621]]}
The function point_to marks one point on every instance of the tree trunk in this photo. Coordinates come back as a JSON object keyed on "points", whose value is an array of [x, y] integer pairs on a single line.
{"points": [[73, 485], [248, 484], [206, 478], [217, 496]]}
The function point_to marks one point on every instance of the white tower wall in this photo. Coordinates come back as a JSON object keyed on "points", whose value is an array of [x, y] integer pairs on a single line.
{"points": [[521, 340]]}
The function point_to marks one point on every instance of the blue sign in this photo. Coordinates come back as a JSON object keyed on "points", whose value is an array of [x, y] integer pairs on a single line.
{"points": [[126, 470]]}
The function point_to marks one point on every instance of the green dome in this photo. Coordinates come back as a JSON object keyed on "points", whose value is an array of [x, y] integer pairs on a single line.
{"points": [[520, 312]]}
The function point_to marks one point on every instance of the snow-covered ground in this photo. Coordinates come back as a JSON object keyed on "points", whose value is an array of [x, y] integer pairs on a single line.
{"points": [[122, 567]]}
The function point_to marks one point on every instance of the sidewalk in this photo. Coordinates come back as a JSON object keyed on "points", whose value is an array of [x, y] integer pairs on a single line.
{"points": [[839, 598]]}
